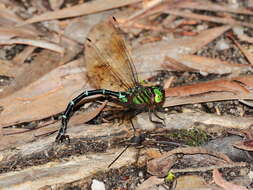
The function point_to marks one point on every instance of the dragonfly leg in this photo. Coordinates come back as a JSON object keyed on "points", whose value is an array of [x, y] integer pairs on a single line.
{"points": [[73, 103], [155, 113], [150, 112], [134, 130]]}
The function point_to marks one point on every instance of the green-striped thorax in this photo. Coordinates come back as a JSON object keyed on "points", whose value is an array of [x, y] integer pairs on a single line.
{"points": [[144, 96]]}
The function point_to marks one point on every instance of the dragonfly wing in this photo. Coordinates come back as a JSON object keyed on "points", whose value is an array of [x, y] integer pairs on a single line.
{"points": [[107, 57]]}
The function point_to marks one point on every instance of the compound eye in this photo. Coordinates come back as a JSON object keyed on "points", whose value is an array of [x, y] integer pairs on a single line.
{"points": [[158, 95]]}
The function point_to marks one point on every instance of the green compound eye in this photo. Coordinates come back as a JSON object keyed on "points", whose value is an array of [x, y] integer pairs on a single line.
{"points": [[158, 95]]}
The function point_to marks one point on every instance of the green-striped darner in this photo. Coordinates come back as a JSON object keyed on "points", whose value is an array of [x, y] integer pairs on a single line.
{"points": [[112, 71]]}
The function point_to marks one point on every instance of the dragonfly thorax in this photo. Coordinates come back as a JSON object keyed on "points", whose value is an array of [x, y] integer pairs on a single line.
{"points": [[140, 96]]}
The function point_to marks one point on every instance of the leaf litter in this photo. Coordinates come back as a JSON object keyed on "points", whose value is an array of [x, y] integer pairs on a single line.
{"points": [[42, 86]]}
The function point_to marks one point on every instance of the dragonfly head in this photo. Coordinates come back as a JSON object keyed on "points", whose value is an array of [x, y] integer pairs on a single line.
{"points": [[159, 94]]}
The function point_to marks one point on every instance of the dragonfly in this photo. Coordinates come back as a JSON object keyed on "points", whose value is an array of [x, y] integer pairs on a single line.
{"points": [[113, 74]]}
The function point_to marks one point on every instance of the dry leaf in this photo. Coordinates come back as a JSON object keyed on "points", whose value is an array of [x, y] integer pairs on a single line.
{"points": [[43, 98], [244, 145], [215, 19], [210, 65], [209, 6], [225, 184], [233, 85], [161, 166], [154, 54], [81, 9], [150, 183], [36, 43], [228, 89]]}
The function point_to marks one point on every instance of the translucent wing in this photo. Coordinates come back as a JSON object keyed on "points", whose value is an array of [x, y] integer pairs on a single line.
{"points": [[107, 57]]}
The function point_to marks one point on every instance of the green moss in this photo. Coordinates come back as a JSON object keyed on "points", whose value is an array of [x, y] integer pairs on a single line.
{"points": [[191, 137]]}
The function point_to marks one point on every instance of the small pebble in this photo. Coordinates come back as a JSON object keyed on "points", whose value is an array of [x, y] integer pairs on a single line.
{"points": [[244, 171], [222, 45], [97, 185], [250, 174], [238, 30], [140, 174]]}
